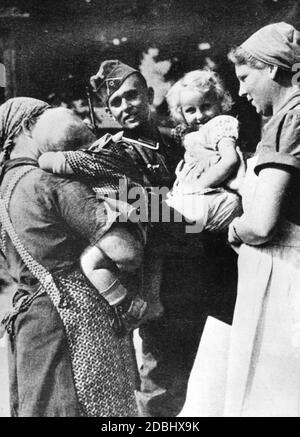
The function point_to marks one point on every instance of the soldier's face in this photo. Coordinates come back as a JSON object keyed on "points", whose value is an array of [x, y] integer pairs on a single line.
{"points": [[130, 104]]}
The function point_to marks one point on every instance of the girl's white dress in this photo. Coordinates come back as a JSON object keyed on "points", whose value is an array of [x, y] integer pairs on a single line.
{"points": [[211, 208]]}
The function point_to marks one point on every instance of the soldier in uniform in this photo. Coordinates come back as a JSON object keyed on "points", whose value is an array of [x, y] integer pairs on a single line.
{"points": [[169, 342], [124, 90]]}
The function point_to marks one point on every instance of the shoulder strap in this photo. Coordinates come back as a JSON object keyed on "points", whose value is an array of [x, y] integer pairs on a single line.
{"points": [[36, 269]]}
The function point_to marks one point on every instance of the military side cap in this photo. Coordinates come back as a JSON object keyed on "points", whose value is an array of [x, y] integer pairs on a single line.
{"points": [[112, 73]]}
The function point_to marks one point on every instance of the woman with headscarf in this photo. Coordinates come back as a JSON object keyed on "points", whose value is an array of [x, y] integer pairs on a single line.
{"points": [[64, 357], [263, 365]]}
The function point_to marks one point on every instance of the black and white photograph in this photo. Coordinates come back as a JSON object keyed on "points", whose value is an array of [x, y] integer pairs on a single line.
{"points": [[150, 211]]}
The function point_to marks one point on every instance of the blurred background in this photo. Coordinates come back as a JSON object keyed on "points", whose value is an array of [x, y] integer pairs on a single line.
{"points": [[50, 48]]}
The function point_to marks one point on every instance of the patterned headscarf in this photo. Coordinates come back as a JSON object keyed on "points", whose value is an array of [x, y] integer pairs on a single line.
{"points": [[12, 113]]}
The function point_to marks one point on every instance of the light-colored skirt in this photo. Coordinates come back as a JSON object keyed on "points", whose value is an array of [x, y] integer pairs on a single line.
{"points": [[259, 374], [264, 358]]}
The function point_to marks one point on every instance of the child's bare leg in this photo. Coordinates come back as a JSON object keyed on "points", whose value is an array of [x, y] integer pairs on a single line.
{"points": [[117, 252], [102, 273], [123, 248]]}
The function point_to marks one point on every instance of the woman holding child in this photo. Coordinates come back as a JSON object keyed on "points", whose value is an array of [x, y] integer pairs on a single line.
{"points": [[262, 370], [203, 191], [65, 357]]}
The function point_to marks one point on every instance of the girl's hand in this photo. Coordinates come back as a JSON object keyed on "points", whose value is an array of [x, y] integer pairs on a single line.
{"points": [[187, 172], [194, 142]]}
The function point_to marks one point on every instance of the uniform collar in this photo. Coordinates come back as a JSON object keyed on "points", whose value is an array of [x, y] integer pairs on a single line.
{"points": [[150, 136]]}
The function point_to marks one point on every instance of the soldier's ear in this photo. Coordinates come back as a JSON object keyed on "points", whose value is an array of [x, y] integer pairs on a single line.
{"points": [[150, 94]]}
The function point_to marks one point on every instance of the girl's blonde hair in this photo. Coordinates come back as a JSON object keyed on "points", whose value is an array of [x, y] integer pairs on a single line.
{"points": [[202, 81]]}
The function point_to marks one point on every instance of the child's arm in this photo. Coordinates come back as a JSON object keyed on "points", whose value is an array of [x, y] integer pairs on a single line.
{"points": [[55, 162], [76, 162], [215, 175], [236, 182]]}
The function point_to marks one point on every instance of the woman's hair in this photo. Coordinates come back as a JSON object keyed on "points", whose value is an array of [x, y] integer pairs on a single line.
{"points": [[202, 81], [240, 56]]}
